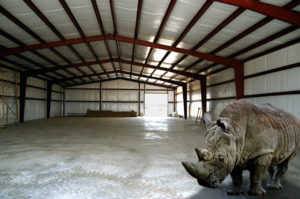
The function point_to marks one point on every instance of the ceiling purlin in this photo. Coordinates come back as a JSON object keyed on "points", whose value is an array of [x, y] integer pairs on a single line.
{"points": [[259, 43], [125, 72], [136, 31], [249, 30], [56, 32], [78, 28], [115, 31], [160, 30], [283, 14], [34, 35], [246, 32], [206, 56], [123, 78], [10, 37], [217, 29], [99, 20], [199, 14], [52, 69]]}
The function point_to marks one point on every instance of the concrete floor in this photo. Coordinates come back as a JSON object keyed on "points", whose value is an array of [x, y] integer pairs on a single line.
{"points": [[130, 158]]}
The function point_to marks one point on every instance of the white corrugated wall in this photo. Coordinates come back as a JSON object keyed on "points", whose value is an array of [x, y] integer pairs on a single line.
{"points": [[287, 80], [117, 95]]}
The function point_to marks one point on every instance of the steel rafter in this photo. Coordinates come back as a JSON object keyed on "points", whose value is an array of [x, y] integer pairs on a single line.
{"points": [[78, 28], [115, 30], [183, 73], [123, 78], [259, 43], [56, 32], [206, 56], [98, 17], [160, 29], [217, 29], [199, 14], [283, 14], [34, 35], [246, 32], [124, 72], [136, 31]]}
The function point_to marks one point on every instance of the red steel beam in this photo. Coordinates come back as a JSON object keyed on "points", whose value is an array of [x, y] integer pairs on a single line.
{"points": [[98, 17], [52, 27], [228, 20], [259, 43], [129, 73], [273, 11], [33, 34], [124, 78], [160, 29], [199, 14], [249, 30], [136, 32], [78, 28], [115, 30], [206, 56], [183, 73]]}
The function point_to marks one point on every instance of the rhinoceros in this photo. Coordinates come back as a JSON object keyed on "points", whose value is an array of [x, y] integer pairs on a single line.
{"points": [[247, 137]]}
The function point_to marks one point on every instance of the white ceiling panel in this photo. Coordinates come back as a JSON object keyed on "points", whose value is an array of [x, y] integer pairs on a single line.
{"points": [[125, 13], [100, 49], [152, 15], [84, 14]]}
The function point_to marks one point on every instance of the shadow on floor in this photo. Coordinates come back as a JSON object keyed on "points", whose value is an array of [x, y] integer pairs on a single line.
{"points": [[289, 191]]}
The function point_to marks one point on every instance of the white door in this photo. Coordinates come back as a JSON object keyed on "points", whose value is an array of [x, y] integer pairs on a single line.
{"points": [[156, 105]]}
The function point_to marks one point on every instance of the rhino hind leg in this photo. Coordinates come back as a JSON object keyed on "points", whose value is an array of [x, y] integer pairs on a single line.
{"points": [[278, 172], [237, 181]]}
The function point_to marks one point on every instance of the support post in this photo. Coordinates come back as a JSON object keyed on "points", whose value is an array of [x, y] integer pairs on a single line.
{"points": [[100, 97], [239, 81], [174, 101], [63, 102], [203, 95], [49, 92], [139, 100], [184, 94], [23, 84]]}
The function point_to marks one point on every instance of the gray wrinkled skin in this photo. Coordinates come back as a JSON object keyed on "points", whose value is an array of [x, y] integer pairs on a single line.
{"points": [[247, 137]]}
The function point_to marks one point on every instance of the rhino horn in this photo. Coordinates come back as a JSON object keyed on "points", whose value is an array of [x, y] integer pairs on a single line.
{"points": [[203, 154], [196, 169]]}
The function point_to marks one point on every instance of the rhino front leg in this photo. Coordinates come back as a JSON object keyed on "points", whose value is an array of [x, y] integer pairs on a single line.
{"points": [[261, 164], [237, 181], [278, 172]]}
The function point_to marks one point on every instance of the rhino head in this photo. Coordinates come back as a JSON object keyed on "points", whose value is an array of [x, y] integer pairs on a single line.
{"points": [[218, 159]]}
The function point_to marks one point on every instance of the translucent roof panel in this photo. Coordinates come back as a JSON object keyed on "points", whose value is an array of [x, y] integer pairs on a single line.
{"points": [[178, 19], [84, 14], [125, 13], [58, 17], [152, 15]]}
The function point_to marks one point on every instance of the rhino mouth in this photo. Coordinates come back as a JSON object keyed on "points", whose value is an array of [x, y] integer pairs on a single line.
{"points": [[206, 175]]}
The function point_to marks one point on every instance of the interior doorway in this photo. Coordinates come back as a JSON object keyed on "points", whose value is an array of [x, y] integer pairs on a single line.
{"points": [[156, 105]]}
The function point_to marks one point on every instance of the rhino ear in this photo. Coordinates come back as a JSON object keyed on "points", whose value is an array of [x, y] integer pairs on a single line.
{"points": [[222, 125]]}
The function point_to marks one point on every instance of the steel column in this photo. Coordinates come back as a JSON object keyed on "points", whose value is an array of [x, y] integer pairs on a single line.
{"points": [[49, 92], [239, 81], [139, 100], [184, 95], [203, 87], [100, 97], [23, 84]]}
